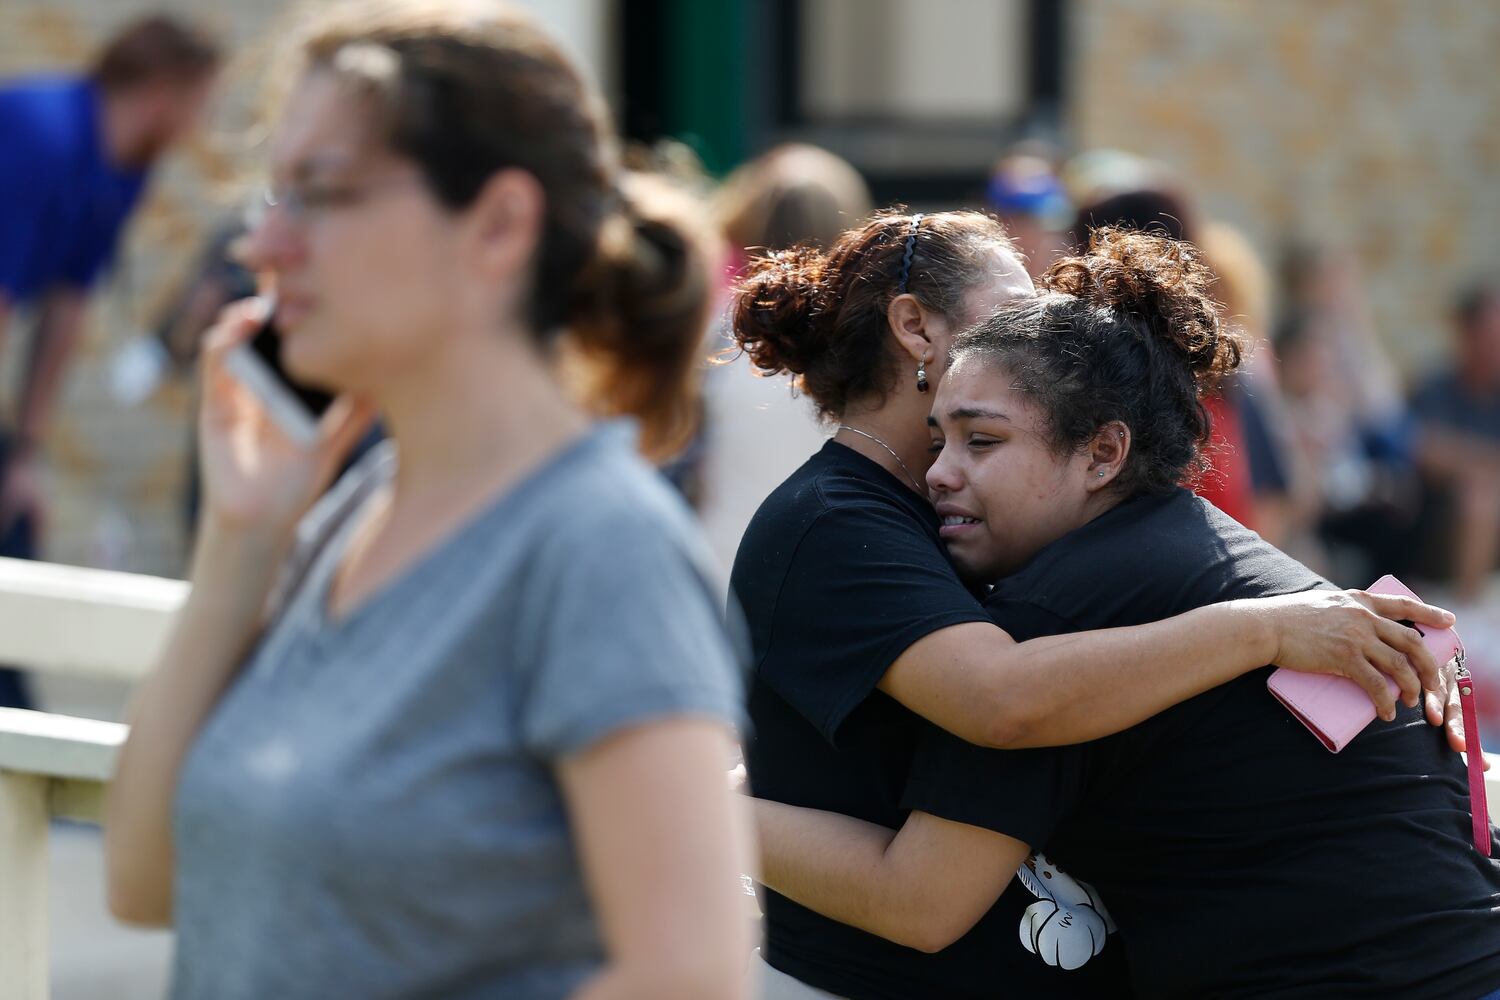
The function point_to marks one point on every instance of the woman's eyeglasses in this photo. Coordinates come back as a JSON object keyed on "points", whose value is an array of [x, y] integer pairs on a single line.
{"points": [[304, 202]]}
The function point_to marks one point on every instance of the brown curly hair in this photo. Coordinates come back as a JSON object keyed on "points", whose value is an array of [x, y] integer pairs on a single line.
{"points": [[821, 314], [1127, 332]]}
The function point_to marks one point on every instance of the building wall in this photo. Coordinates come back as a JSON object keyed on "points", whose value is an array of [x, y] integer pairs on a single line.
{"points": [[1374, 124]]}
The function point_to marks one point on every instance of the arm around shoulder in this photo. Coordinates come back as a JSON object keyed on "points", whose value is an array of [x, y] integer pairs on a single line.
{"points": [[1071, 687], [978, 683]]}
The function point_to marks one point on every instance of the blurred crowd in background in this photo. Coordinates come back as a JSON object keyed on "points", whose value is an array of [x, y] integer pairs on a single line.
{"points": [[1322, 446], [1331, 445]]}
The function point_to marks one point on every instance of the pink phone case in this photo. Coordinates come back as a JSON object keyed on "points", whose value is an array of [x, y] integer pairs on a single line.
{"points": [[1335, 708]]}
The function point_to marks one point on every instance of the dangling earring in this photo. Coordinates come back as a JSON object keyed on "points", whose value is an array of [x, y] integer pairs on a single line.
{"points": [[922, 375]]}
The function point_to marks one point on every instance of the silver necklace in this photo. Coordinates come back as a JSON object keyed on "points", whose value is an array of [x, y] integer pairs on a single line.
{"points": [[872, 437]]}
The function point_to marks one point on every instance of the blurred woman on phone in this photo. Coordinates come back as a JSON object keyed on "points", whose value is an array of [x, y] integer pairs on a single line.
{"points": [[458, 728]]}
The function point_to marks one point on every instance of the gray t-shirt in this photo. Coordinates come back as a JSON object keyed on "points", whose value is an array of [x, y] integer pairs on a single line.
{"points": [[371, 810]]}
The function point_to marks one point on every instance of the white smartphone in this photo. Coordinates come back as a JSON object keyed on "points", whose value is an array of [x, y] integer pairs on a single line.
{"points": [[295, 407]]}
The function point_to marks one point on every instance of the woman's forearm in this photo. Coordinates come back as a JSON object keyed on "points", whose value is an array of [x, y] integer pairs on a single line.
{"points": [[979, 684], [830, 863], [1068, 689], [1072, 688], [923, 886], [232, 574]]}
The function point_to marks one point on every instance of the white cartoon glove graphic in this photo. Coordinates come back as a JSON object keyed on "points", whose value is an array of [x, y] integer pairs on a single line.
{"points": [[1068, 923]]}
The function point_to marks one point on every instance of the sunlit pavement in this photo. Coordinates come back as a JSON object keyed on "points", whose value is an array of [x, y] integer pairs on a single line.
{"points": [[92, 955]]}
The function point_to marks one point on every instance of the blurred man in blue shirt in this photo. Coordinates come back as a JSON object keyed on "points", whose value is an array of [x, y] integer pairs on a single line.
{"points": [[75, 152]]}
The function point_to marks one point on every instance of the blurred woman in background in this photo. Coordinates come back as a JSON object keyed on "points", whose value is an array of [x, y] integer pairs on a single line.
{"points": [[794, 193], [460, 729], [1242, 291], [1350, 425], [757, 430]]}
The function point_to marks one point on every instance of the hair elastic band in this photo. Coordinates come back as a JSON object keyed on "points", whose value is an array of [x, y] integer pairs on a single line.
{"points": [[911, 246]]}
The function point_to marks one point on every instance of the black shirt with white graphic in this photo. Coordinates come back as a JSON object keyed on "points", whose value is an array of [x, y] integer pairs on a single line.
{"points": [[1239, 857], [838, 573]]}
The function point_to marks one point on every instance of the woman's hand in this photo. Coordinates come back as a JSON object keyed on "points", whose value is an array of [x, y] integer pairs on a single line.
{"points": [[254, 476], [1359, 635], [1451, 713]]}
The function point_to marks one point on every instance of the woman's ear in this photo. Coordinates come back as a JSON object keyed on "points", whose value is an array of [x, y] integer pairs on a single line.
{"points": [[1107, 453], [505, 223], [910, 322]]}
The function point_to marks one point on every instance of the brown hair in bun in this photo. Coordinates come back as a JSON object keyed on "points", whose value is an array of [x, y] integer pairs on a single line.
{"points": [[1127, 331], [821, 315]]}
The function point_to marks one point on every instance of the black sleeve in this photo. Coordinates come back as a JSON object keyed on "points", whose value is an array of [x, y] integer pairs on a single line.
{"points": [[1023, 794], [863, 584]]}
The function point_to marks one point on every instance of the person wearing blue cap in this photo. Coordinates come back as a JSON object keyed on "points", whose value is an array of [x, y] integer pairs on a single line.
{"points": [[1025, 192]]}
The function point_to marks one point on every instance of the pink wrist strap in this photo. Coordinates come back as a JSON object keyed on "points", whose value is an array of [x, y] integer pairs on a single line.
{"points": [[1479, 811]]}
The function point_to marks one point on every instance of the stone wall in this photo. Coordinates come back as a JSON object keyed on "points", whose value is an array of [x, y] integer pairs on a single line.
{"points": [[1374, 124]]}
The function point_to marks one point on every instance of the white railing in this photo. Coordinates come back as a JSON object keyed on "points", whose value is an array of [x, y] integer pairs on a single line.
{"points": [[51, 766], [79, 622], [85, 622], [62, 620]]}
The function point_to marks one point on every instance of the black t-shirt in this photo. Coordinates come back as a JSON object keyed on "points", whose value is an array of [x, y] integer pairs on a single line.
{"points": [[838, 573], [1238, 856]]}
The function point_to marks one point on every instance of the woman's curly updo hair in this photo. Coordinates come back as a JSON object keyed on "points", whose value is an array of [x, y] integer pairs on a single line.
{"points": [[821, 314], [1127, 332]]}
